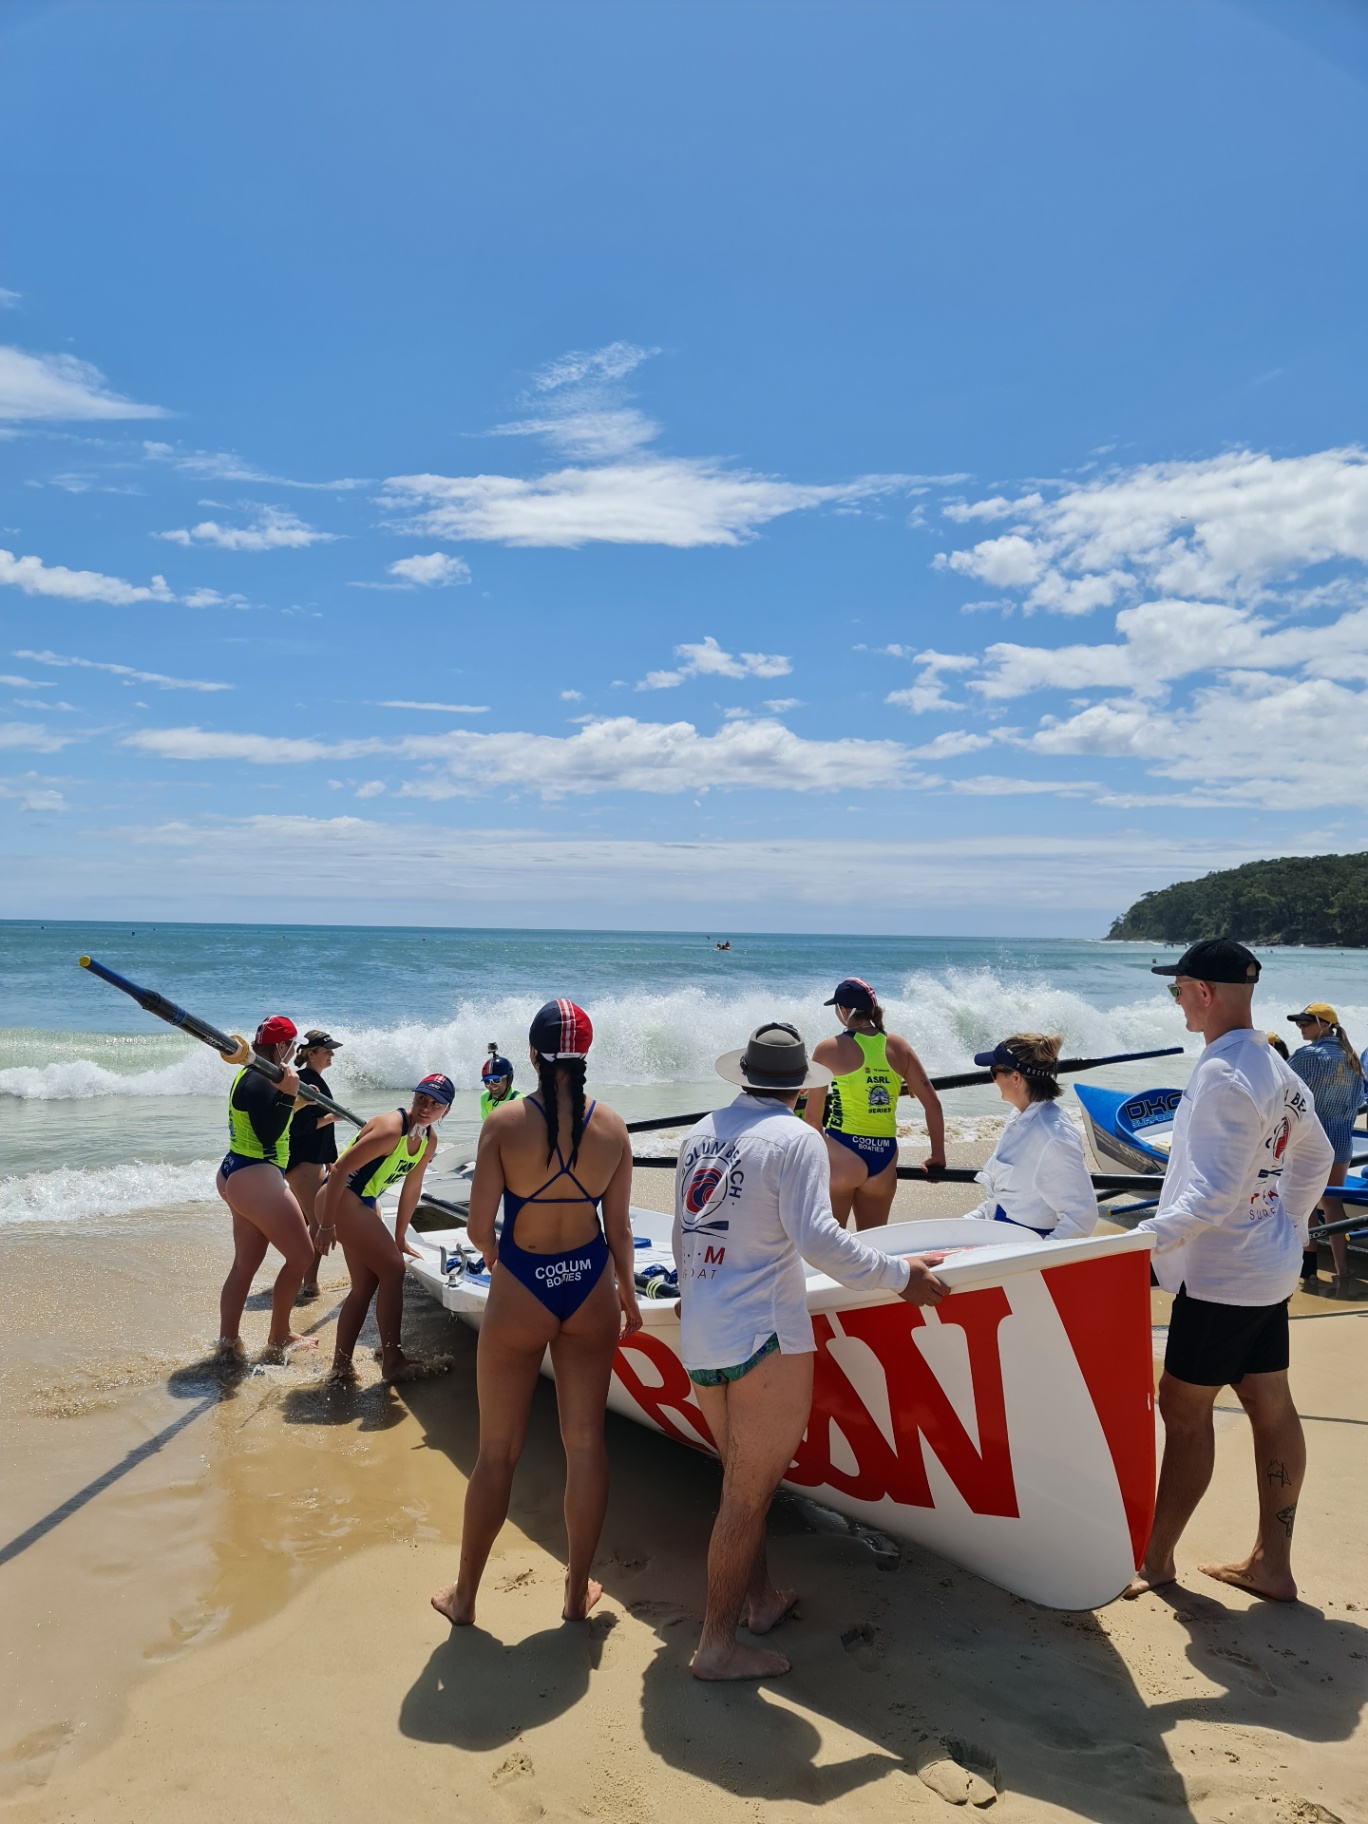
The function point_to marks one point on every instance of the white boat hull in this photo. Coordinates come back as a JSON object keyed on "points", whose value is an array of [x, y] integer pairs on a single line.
{"points": [[1011, 1429]]}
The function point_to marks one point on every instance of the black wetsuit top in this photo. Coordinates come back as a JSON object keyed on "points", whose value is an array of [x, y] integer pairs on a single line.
{"points": [[265, 1107], [309, 1143]]}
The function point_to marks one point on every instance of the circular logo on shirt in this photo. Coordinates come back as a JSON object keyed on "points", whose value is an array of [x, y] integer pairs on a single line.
{"points": [[702, 1183]]}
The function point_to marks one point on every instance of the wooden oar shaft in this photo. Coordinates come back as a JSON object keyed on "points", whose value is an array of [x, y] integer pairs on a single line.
{"points": [[231, 1049]]}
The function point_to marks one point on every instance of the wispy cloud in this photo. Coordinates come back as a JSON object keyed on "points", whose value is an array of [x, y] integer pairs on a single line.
{"points": [[10, 300], [706, 659], [615, 754], [57, 388], [928, 692], [273, 529], [35, 577], [445, 709], [615, 493], [33, 793], [224, 465], [31, 737], [126, 672]]}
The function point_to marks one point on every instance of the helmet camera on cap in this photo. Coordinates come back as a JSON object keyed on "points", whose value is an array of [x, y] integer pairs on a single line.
{"points": [[495, 1067]]}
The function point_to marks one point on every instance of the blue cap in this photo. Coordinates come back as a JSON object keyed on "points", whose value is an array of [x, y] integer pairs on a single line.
{"points": [[440, 1088], [495, 1066], [1002, 1058], [853, 993]]}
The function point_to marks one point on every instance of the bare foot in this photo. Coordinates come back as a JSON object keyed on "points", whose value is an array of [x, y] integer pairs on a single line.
{"points": [[415, 1368], [737, 1661], [458, 1612], [277, 1352], [343, 1371], [229, 1349], [1146, 1580], [767, 1612], [1255, 1579], [577, 1611]]}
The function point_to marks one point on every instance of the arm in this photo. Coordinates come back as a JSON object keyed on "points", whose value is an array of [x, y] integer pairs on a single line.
{"points": [[487, 1187], [376, 1138], [1310, 1159], [409, 1193], [906, 1062], [1231, 1133], [823, 1052], [1063, 1181], [617, 1229], [805, 1212]]}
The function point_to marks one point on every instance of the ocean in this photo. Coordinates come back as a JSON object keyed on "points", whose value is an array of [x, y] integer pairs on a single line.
{"points": [[109, 1118]]}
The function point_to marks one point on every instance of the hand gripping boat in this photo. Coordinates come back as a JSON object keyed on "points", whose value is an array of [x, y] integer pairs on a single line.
{"points": [[1011, 1429]]}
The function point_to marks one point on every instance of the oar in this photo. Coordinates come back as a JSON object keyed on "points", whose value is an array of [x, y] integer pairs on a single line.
{"points": [[963, 1174], [1338, 1228], [962, 1081], [965, 1078], [231, 1047]]}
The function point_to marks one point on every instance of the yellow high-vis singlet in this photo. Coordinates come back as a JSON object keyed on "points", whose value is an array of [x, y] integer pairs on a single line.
{"points": [[865, 1101]]}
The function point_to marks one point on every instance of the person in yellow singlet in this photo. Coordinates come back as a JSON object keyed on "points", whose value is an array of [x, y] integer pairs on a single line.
{"points": [[870, 1069]]}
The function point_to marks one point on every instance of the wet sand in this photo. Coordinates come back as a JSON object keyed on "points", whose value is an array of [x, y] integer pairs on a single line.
{"points": [[233, 1619]]}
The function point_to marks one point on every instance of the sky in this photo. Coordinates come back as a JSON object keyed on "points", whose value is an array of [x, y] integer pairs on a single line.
{"points": [[781, 466]]}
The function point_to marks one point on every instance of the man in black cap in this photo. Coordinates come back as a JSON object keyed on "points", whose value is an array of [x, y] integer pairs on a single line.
{"points": [[752, 1204], [1247, 1164]]}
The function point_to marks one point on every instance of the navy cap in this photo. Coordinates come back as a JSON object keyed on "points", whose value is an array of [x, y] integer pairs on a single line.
{"points": [[853, 993], [1215, 959], [495, 1066], [440, 1088], [1002, 1057]]}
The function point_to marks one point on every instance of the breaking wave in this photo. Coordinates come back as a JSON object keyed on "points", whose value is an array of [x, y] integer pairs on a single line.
{"points": [[640, 1038], [79, 1193]]}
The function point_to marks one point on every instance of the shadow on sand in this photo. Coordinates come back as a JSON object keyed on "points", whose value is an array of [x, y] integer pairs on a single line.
{"points": [[901, 1660]]}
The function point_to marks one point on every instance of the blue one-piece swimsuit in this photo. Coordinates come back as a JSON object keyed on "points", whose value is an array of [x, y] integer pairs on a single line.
{"points": [[562, 1282]]}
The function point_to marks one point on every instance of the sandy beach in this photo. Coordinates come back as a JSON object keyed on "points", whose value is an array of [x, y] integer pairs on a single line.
{"points": [[216, 1606]]}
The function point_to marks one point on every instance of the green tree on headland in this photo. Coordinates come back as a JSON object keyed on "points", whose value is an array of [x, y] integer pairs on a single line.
{"points": [[1312, 899]]}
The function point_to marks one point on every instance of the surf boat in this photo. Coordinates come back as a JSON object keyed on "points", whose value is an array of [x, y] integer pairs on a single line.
{"points": [[1132, 1130], [1010, 1429]]}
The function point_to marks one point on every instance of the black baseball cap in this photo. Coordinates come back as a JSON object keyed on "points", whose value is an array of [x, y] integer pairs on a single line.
{"points": [[1215, 959]]}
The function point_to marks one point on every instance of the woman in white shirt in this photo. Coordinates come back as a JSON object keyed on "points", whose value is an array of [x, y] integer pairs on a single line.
{"points": [[1037, 1177]]}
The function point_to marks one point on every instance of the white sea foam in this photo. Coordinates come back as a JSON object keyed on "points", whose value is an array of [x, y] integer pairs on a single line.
{"points": [[82, 1193], [671, 1037]]}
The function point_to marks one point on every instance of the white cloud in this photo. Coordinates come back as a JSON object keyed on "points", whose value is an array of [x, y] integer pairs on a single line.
{"points": [[17, 683], [706, 659], [373, 788], [223, 465], [572, 696], [999, 785], [272, 530], [780, 706], [30, 737], [431, 571], [54, 388], [10, 300], [32, 793], [578, 406], [614, 754], [210, 598], [663, 501], [929, 690], [35, 577], [122, 671], [447, 709], [951, 744], [1223, 528]]}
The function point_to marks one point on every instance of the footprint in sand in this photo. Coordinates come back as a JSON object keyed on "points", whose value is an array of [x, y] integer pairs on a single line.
{"points": [[1254, 1678], [862, 1644], [517, 1580], [507, 1779]]}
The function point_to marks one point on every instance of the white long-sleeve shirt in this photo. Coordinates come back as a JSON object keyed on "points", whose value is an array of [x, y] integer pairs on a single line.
{"points": [[1038, 1175], [752, 1203], [1247, 1165]]}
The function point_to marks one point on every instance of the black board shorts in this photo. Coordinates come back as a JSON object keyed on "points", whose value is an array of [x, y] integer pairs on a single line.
{"points": [[1217, 1345]]}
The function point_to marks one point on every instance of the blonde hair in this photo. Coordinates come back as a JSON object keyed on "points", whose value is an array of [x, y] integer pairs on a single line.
{"points": [[1038, 1054], [1349, 1052]]}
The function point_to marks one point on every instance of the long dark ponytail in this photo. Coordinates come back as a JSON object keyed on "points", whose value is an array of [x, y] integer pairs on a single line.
{"points": [[550, 1074]]}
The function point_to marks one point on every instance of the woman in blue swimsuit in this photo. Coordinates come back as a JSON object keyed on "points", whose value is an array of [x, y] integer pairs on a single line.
{"points": [[560, 1279]]}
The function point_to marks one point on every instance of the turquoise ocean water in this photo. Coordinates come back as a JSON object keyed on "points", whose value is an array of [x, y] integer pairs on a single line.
{"points": [[106, 1113]]}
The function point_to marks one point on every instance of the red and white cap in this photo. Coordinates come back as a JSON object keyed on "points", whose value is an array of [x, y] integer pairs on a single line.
{"points": [[277, 1030], [561, 1030]]}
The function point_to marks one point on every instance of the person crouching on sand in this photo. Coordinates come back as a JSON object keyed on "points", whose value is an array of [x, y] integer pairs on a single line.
{"points": [[1036, 1176], [1248, 1161], [752, 1203], [390, 1149], [251, 1181], [560, 1279]]}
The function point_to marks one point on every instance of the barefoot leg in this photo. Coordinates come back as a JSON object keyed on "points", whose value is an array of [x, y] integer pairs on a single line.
{"points": [[762, 1418], [1280, 1461], [582, 1355], [1189, 1458]]}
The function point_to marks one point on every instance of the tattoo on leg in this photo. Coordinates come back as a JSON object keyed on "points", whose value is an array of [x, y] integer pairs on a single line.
{"points": [[1285, 1516], [1277, 1474]]}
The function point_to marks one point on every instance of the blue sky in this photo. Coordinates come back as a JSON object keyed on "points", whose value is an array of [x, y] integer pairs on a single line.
{"points": [[884, 467]]}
